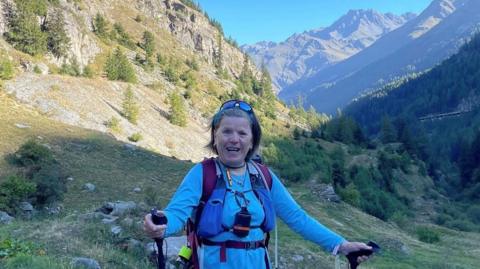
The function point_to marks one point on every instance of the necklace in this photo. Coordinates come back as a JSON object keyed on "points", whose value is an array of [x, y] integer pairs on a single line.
{"points": [[235, 179]]}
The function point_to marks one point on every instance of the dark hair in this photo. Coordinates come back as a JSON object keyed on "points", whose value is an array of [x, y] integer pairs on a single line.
{"points": [[237, 112]]}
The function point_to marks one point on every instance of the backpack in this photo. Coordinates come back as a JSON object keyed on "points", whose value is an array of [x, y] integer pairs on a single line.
{"points": [[209, 178]]}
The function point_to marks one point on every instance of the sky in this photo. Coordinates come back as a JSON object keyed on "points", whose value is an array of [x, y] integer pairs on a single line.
{"points": [[251, 21]]}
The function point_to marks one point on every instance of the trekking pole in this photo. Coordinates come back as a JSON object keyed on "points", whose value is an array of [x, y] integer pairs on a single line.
{"points": [[158, 219], [276, 247], [352, 256]]}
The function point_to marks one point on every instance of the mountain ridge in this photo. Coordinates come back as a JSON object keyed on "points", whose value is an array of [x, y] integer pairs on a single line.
{"points": [[301, 55], [431, 37]]}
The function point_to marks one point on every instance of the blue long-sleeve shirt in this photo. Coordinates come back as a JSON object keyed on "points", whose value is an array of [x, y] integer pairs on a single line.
{"points": [[188, 195]]}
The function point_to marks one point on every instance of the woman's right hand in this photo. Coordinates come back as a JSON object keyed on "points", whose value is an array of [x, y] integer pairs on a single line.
{"points": [[152, 230]]}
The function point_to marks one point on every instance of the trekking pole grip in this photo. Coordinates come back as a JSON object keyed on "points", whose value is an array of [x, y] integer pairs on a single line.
{"points": [[159, 219], [352, 256]]}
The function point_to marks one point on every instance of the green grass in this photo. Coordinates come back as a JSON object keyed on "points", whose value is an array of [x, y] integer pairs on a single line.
{"points": [[98, 158]]}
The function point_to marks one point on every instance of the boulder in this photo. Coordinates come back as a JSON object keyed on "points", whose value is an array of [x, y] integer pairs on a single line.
{"points": [[85, 263], [5, 218]]}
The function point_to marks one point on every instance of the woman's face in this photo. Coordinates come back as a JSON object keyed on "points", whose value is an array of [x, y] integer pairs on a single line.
{"points": [[233, 140]]}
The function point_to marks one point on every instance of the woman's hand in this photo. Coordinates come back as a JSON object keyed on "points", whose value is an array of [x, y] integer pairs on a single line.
{"points": [[152, 230], [348, 247]]}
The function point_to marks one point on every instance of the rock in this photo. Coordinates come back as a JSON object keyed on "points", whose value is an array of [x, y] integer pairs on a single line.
{"points": [[5, 218], [85, 263], [25, 206], [130, 147], [137, 189], [326, 192], [70, 178], [22, 126], [89, 187], [116, 230], [297, 258], [53, 209], [118, 208], [27, 209], [109, 219]]}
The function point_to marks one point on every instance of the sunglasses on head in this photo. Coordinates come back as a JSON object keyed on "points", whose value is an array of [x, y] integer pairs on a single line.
{"points": [[237, 103]]}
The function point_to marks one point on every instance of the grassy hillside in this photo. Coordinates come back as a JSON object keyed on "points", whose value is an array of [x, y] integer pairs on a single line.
{"points": [[88, 156]]}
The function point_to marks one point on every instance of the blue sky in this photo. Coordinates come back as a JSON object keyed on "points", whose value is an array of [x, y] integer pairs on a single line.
{"points": [[250, 21]]}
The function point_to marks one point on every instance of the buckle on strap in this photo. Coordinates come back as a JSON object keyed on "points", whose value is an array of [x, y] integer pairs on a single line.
{"points": [[251, 245]]}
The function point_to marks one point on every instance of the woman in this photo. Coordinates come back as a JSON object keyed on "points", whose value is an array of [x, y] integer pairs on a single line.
{"points": [[235, 137]]}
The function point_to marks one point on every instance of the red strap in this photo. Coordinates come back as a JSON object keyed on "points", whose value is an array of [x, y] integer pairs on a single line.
{"points": [[266, 174], [223, 252], [209, 178]]}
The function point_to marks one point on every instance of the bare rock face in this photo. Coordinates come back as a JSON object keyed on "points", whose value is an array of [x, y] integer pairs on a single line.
{"points": [[5, 6], [193, 31], [83, 48]]}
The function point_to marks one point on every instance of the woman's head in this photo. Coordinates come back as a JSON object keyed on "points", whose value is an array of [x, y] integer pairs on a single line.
{"points": [[235, 133]]}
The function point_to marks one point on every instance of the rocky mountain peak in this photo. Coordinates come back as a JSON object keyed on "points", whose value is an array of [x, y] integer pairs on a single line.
{"points": [[304, 54]]}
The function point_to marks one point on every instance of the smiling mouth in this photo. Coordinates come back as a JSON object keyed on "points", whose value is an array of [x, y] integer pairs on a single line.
{"points": [[233, 149]]}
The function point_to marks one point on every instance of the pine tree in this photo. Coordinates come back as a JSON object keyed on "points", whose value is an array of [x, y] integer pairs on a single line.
{"points": [[130, 109], [57, 40], [25, 33], [100, 26], [118, 67], [178, 113], [148, 44], [387, 131], [218, 56]]}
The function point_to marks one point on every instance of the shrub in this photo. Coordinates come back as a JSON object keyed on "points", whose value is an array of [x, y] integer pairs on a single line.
{"points": [[37, 70], [148, 43], [88, 72], [113, 124], [72, 69], [6, 69], [135, 137], [138, 18], [51, 184], [428, 235], [13, 191], [100, 26], [130, 109], [118, 33], [10, 248], [350, 194], [461, 225], [118, 67], [172, 74], [43, 170], [474, 213], [32, 153]]}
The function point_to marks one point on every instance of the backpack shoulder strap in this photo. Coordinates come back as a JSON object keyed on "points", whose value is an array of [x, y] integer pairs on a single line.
{"points": [[209, 178], [265, 174]]}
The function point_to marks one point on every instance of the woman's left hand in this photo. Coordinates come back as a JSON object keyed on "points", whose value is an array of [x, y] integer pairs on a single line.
{"points": [[347, 247]]}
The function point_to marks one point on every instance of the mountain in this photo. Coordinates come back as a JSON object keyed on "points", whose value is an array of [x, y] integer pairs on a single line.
{"points": [[421, 43], [305, 54], [440, 107], [187, 46]]}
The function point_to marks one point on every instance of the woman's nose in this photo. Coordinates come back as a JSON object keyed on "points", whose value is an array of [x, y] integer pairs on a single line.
{"points": [[234, 138]]}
